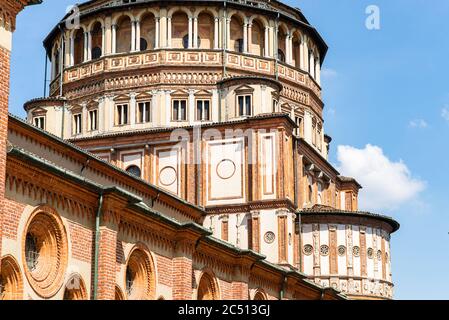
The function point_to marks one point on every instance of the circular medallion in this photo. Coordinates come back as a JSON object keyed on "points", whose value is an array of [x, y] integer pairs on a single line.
{"points": [[341, 250], [324, 250], [379, 255], [226, 169], [356, 251], [308, 249], [45, 251], [269, 237], [167, 176], [370, 253]]}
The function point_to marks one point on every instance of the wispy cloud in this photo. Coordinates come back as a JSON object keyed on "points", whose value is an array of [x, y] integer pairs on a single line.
{"points": [[329, 73], [418, 123], [386, 184], [445, 113]]}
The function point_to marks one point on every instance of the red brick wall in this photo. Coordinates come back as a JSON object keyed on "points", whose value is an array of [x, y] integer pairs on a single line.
{"points": [[81, 242], [4, 97], [107, 264], [164, 267], [12, 211], [182, 278]]}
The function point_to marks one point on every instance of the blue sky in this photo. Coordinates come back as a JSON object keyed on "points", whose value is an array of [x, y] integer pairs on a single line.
{"points": [[384, 88]]}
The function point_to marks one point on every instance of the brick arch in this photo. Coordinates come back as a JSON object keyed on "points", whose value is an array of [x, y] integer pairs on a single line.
{"points": [[260, 295], [140, 264], [75, 288], [11, 279], [208, 288], [119, 293], [49, 235]]}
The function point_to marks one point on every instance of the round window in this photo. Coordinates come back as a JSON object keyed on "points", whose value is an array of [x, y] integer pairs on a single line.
{"points": [[324, 250], [269, 237], [356, 251], [45, 251], [134, 170], [308, 249]]}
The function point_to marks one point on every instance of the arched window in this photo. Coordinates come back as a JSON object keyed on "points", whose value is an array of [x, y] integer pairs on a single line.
{"points": [[236, 35], [11, 284], [134, 170], [148, 32], [139, 277], [78, 47], [123, 35], [259, 296], [257, 45], [205, 31], [180, 28], [207, 288], [97, 40], [297, 50], [45, 251], [75, 289]]}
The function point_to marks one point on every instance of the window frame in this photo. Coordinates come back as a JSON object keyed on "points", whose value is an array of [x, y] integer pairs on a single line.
{"points": [[141, 116], [245, 106], [203, 100], [178, 118], [119, 114], [77, 129], [38, 118], [90, 112]]}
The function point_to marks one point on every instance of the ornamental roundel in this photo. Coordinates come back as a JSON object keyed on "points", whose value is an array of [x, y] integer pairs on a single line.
{"points": [[226, 169], [341, 250], [308, 249], [356, 251], [168, 176], [45, 251], [324, 250], [269, 237], [370, 253], [379, 255]]}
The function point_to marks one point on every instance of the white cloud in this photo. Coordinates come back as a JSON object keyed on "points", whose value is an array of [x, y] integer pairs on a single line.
{"points": [[328, 73], [445, 113], [386, 184], [418, 123]]}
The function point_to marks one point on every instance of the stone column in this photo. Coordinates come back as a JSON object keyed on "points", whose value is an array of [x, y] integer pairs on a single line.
{"points": [[191, 107], [86, 46], [216, 33], [267, 42], [89, 46], [72, 50], [228, 33], [169, 26], [137, 35], [245, 37], [132, 109], [133, 36], [190, 32], [157, 35], [250, 36], [114, 39], [195, 32], [103, 41]]}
